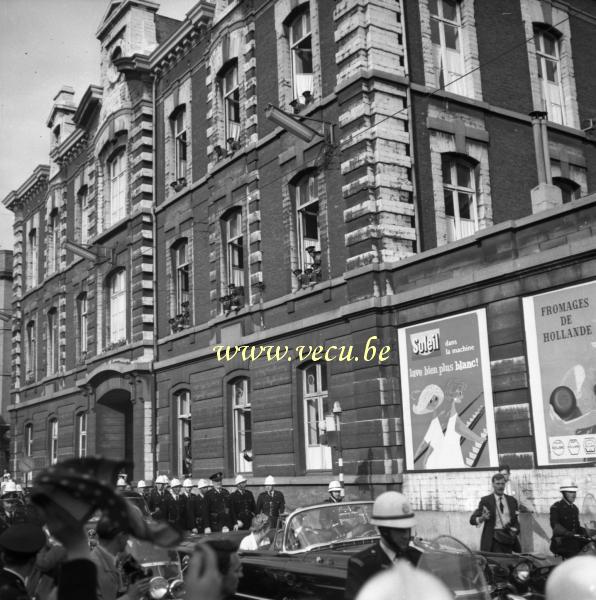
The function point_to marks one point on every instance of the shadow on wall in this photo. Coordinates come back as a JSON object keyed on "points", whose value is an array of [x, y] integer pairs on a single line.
{"points": [[363, 479]]}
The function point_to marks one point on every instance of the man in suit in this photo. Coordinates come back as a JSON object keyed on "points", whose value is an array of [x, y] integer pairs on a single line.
{"points": [[271, 502], [19, 545], [394, 519], [219, 506], [200, 513], [244, 503], [158, 498], [497, 512]]}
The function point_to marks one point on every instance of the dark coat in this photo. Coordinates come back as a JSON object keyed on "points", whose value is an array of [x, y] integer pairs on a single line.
{"points": [[186, 512], [244, 507], [157, 504], [365, 564], [11, 587], [271, 505], [200, 513], [78, 580], [486, 539], [220, 509]]}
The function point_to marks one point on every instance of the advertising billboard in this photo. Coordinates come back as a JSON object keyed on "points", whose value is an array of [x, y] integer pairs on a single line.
{"points": [[561, 346], [447, 394]]}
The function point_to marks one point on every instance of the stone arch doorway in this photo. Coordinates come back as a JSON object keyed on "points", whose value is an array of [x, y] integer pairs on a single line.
{"points": [[114, 426]]}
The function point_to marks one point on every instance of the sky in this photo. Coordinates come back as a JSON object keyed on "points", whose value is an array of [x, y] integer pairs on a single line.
{"points": [[44, 44]]}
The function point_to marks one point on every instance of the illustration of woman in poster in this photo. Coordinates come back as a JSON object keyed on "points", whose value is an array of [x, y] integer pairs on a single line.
{"points": [[442, 440]]}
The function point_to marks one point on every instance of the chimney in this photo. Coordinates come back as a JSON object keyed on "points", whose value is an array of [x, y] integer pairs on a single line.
{"points": [[545, 195]]}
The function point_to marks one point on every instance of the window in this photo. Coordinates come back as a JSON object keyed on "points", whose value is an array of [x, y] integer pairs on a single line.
{"points": [[184, 433], [82, 217], [459, 192], [179, 129], [53, 242], [235, 250], [446, 37], [231, 102], [82, 325], [30, 352], [32, 277], [549, 73], [53, 424], [81, 429], [314, 385], [181, 272], [117, 176], [569, 189], [307, 220], [117, 307], [28, 450], [301, 54], [242, 426], [51, 341]]}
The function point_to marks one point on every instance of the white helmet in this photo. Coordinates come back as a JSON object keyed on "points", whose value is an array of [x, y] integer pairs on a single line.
{"points": [[403, 582], [203, 483], [334, 486], [187, 483], [9, 486], [568, 485], [121, 482], [574, 578], [141, 485], [240, 479], [175, 483], [269, 480], [162, 479], [392, 509]]}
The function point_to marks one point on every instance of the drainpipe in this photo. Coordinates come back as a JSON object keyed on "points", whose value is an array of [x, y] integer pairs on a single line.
{"points": [[154, 262], [541, 146]]}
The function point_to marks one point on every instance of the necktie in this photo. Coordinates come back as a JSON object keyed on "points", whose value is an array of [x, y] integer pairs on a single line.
{"points": [[501, 508]]}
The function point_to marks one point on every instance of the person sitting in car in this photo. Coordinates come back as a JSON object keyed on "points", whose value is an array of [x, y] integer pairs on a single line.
{"points": [[258, 537]]}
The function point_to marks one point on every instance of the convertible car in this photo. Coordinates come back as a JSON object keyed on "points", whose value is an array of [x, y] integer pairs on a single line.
{"points": [[308, 556]]}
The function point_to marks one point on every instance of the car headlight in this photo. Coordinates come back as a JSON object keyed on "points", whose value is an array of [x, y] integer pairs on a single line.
{"points": [[158, 588], [176, 588], [521, 572]]}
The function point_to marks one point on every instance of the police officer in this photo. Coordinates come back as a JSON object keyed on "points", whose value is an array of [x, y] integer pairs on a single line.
{"points": [[186, 505], [158, 498], [19, 545], [564, 520], [271, 502], [335, 491], [219, 506], [394, 519], [12, 509], [173, 503], [200, 512], [243, 502]]}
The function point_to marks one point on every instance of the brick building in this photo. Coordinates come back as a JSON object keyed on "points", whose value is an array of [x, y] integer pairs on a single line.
{"points": [[5, 354], [426, 201]]}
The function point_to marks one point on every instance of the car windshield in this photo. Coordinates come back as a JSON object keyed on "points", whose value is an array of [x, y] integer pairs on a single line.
{"points": [[328, 524]]}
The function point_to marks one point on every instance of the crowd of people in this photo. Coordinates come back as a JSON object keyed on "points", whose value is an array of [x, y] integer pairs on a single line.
{"points": [[45, 551]]}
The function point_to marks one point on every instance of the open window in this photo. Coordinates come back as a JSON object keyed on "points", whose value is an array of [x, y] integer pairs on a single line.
{"points": [[460, 195], [242, 426]]}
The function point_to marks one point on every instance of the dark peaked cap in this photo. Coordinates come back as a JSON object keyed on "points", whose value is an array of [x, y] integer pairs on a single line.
{"points": [[216, 476], [23, 538]]}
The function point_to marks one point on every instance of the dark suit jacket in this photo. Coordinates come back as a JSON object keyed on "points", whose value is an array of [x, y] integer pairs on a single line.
{"points": [[486, 539], [272, 506], [365, 564], [11, 587]]}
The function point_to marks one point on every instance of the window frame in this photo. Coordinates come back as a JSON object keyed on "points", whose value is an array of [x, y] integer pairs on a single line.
{"points": [[542, 60], [51, 341], [180, 133], [28, 449], [235, 249], [30, 350], [230, 99], [570, 190], [318, 456], [456, 189], [82, 215], [241, 408], [117, 172], [301, 210], [53, 247], [181, 275], [81, 431], [116, 335], [32, 258], [82, 306], [306, 83]]}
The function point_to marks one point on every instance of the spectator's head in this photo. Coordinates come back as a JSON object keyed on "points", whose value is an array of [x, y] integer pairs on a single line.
{"points": [[498, 481], [505, 470], [161, 481], [569, 490], [228, 564], [111, 536], [260, 525], [19, 545], [574, 578], [335, 490]]}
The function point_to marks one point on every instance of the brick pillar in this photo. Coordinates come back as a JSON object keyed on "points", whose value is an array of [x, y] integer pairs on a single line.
{"points": [[374, 139]]}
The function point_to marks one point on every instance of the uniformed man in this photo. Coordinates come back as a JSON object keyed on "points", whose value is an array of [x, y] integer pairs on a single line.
{"points": [[271, 502], [335, 492], [19, 545], [394, 519], [567, 538], [243, 503], [12, 509], [219, 506], [186, 505], [200, 512], [174, 504], [158, 498]]}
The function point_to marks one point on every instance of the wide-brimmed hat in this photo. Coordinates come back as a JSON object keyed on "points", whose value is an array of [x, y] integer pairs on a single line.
{"points": [[240, 479]]}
